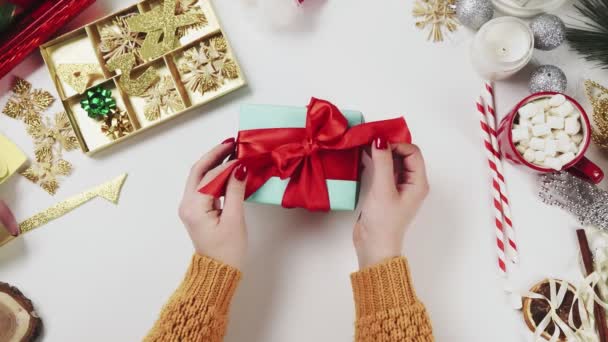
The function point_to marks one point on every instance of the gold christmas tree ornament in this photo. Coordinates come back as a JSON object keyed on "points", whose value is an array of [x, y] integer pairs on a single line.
{"points": [[78, 76], [117, 39], [132, 86], [436, 16], [27, 104], [162, 98], [207, 67], [598, 96], [160, 25]]}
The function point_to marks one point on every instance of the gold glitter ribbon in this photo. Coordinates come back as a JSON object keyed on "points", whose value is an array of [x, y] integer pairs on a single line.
{"points": [[109, 191]]}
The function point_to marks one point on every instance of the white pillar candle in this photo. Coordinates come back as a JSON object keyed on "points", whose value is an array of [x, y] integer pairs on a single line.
{"points": [[502, 47]]}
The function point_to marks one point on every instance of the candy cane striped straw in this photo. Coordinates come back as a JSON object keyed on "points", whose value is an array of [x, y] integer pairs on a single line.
{"points": [[497, 204], [491, 120]]}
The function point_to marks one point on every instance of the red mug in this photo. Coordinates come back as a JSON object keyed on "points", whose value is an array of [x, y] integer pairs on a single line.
{"points": [[579, 166]]}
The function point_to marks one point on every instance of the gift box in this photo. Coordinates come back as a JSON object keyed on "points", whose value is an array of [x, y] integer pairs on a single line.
{"points": [[307, 157], [343, 193], [140, 67]]}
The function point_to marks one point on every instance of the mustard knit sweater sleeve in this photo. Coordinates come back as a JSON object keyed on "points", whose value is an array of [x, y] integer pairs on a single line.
{"points": [[386, 305], [198, 310]]}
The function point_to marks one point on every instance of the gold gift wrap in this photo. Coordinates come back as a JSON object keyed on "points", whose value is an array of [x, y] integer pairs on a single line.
{"points": [[198, 67]]}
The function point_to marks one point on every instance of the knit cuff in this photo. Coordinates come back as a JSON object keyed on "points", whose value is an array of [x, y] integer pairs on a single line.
{"points": [[382, 287], [211, 282]]}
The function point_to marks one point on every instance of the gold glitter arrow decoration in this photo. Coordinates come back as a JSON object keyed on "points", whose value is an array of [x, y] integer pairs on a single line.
{"points": [[109, 191]]}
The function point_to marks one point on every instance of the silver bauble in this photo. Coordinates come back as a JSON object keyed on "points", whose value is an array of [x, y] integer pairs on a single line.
{"points": [[549, 31], [474, 13], [548, 78]]}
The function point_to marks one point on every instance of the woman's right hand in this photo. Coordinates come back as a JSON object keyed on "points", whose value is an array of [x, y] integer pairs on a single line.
{"points": [[399, 186], [216, 232]]}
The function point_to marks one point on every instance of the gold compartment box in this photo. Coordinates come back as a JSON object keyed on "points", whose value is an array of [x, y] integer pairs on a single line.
{"points": [[82, 46]]}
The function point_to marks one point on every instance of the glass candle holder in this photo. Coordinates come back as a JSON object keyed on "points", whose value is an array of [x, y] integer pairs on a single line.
{"points": [[502, 47]]}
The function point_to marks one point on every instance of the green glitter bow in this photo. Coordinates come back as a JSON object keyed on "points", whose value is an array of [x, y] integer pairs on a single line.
{"points": [[98, 102]]}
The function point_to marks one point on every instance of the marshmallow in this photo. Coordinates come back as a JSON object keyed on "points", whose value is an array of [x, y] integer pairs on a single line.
{"points": [[529, 110], [554, 163], [520, 134], [524, 123], [574, 114], [551, 147], [563, 110], [540, 130], [537, 144], [562, 135], [573, 147], [557, 100], [539, 156], [572, 125], [544, 104], [555, 122], [563, 145], [567, 157], [524, 143], [538, 119], [577, 138], [529, 155], [521, 149]]}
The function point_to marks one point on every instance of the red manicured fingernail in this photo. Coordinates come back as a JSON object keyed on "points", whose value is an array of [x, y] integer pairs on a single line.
{"points": [[381, 143], [229, 141], [241, 172]]}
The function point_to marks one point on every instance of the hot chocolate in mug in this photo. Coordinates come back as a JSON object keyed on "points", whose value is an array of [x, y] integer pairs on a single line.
{"points": [[579, 165]]}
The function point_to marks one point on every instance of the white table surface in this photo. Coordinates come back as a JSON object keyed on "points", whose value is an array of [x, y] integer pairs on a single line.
{"points": [[103, 272]]}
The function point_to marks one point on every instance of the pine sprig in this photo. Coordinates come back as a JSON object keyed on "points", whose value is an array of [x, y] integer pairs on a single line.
{"points": [[591, 38]]}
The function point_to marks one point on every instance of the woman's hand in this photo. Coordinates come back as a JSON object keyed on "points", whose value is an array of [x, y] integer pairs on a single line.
{"points": [[7, 220], [216, 232], [399, 185]]}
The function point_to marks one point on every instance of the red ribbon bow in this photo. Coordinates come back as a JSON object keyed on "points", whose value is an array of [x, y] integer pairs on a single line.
{"points": [[325, 149]]}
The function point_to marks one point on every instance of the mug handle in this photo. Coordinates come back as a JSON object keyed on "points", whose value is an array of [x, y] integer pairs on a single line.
{"points": [[587, 170]]}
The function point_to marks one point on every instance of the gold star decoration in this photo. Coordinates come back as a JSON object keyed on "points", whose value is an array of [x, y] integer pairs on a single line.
{"points": [[206, 68], [27, 104], [45, 173], [160, 25], [437, 16], [117, 39], [598, 96], [162, 98], [116, 125], [190, 7]]}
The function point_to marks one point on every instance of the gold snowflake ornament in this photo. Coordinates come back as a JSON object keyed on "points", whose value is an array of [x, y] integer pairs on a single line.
{"points": [[190, 7], [206, 68], [46, 135], [27, 104], [117, 39], [46, 174], [162, 97], [435, 16]]}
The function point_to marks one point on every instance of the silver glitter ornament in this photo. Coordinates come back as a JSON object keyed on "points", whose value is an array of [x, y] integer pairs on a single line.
{"points": [[548, 78], [587, 202], [474, 13], [549, 31]]}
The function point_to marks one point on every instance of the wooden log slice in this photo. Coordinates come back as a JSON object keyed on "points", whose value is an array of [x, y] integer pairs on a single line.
{"points": [[19, 322]]}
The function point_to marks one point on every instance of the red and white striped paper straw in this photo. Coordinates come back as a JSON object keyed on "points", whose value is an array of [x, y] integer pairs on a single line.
{"points": [[491, 120], [497, 202]]}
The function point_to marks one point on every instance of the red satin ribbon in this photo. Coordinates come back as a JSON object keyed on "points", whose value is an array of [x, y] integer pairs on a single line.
{"points": [[325, 149]]}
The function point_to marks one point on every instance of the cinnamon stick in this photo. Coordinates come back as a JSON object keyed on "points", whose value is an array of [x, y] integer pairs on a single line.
{"points": [[599, 313]]}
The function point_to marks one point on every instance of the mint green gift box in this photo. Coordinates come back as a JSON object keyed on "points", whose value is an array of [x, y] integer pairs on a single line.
{"points": [[343, 194]]}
